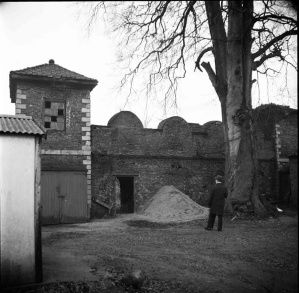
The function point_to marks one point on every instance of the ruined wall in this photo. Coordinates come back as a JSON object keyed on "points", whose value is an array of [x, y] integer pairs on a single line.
{"points": [[268, 178], [186, 155], [276, 134], [194, 177], [175, 153], [275, 121], [172, 138], [288, 128]]}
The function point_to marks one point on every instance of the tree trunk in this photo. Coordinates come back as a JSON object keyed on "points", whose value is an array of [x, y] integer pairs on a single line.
{"points": [[234, 83], [242, 169]]}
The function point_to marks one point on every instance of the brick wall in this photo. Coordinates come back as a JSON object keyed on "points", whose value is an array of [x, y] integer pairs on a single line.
{"points": [[30, 101], [192, 176], [62, 162], [68, 149], [177, 153], [176, 138]]}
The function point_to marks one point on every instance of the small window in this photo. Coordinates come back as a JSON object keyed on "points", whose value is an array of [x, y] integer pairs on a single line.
{"points": [[54, 115], [47, 124], [47, 104]]}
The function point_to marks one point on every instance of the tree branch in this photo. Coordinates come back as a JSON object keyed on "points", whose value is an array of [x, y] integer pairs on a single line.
{"points": [[274, 41], [200, 56], [265, 57], [276, 18], [211, 74]]}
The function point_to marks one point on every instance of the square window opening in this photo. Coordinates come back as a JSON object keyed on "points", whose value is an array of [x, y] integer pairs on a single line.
{"points": [[54, 115]]}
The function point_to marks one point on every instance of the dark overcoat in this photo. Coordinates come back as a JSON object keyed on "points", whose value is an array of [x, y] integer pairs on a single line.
{"points": [[218, 194]]}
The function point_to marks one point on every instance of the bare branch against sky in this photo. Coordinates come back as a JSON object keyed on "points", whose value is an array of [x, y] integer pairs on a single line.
{"points": [[30, 37]]}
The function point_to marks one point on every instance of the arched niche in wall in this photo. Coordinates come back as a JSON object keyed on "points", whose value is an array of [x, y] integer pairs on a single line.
{"points": [[125, 119]]}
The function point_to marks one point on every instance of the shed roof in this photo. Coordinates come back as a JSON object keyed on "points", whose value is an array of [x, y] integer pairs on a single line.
{"points": [[20, 125]]}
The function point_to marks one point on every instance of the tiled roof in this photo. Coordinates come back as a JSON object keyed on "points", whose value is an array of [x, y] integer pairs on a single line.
{"points": [[52, 70], [20, 124]]}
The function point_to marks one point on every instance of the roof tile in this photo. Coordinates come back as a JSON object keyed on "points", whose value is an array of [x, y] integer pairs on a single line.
{"points": [[52, 70]]}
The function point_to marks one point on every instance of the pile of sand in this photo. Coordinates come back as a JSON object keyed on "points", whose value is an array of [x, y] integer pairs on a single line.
{"points": [[171, 205]]}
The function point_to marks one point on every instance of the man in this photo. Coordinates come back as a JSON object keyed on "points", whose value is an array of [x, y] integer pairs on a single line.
{"points": [[218, 194]]}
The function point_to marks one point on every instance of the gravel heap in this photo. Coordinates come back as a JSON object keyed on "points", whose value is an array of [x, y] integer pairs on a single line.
{"points": [[171, 205]]}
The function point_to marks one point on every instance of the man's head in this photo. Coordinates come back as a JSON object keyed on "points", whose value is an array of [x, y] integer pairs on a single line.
{"points": [[219, 179]]}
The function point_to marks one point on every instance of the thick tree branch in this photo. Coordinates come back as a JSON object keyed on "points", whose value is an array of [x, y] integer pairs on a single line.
{"points": [[274, 41], [200, 56], [211, 74], [265, 57], [219, 40]]}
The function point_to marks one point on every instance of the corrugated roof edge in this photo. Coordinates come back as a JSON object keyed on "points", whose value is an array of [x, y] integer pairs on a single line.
{"points": [[24, 117], [40, 126]]}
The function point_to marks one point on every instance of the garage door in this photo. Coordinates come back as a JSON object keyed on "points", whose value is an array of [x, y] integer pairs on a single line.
{"points": [[63, 197]]}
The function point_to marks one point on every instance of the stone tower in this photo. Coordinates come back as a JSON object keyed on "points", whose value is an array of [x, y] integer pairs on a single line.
{"points": [[59, 99]]}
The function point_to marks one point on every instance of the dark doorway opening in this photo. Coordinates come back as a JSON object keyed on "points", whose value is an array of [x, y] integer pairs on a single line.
{"points": [[284, 187], [126, 194]]}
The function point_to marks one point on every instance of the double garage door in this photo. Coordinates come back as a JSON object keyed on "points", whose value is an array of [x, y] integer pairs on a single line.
{"points": [[63, 197]]}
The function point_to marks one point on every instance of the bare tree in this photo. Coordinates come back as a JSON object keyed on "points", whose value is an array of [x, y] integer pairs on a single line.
{"points": [[242, 37]]}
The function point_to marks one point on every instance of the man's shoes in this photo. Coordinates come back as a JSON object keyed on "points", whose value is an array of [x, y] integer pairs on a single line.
{"points": [[219, 230], [209, 229]]}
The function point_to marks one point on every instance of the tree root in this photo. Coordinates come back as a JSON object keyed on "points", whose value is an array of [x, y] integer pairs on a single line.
{"points": [[271, 209], [234, 205]]}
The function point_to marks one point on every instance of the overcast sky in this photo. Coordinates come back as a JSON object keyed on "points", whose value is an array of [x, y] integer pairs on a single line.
{"points": [[32, 33]]}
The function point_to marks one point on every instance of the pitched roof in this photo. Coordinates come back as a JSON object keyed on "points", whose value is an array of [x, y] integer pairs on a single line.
{"points": [[52, 70], [20, 125]]}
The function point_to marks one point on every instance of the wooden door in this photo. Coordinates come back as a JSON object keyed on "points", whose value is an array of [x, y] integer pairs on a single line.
{"points": [[63, 197], [50, 201]]}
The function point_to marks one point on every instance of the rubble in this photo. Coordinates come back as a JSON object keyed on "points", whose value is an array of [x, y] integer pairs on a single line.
{"points": [[171, 205]]}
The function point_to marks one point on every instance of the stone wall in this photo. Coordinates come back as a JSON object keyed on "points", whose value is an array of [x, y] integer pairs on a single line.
{"points": [[175, 138], [276, 131], [268, 178], [186, 155], [192, 176], [176, 153], [288, 135]]}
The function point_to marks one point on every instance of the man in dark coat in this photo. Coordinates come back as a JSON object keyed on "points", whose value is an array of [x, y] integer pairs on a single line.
{"points": [[218, 194]]}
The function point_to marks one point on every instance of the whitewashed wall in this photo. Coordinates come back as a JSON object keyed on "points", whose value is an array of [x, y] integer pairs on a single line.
{"points": [[17, 184]]}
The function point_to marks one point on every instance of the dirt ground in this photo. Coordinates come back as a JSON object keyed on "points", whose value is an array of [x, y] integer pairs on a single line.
{"points": [[249, 255]]}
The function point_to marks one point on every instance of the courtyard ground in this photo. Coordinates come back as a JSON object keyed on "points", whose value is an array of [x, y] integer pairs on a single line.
{"points": [[249, 255]]}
